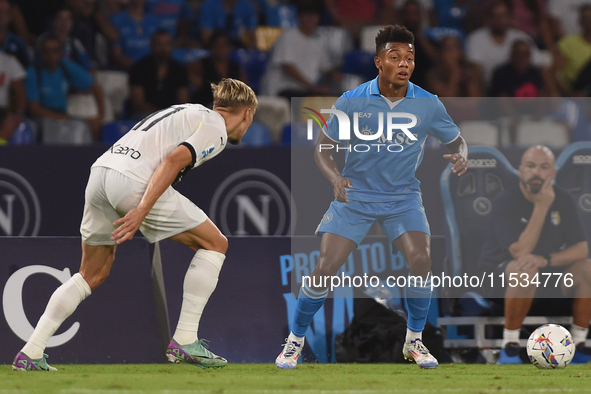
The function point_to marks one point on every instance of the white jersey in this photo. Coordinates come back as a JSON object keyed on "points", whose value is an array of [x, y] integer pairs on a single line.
{"points": [[139, 152]]}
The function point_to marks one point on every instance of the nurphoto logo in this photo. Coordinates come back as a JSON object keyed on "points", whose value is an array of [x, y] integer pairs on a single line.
{"points": [[365, 134]]}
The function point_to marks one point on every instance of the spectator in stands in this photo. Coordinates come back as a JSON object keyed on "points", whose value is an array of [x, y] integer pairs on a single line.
{"points": [[299, 60], [532, 17], [89, 24], [518, 77], [38, 15], [10, 42], [72, 48], [135, 27], [535, 229], [490, 46], [354, 15], [425, 51], [175, 16], [157, 81], [49, 81], [576, 54], [565, 15], [238, 17], [12, 76], [452, 75], [213, 68]]}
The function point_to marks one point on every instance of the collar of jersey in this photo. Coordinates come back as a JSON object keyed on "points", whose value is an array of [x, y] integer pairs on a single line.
{"points": [[374, 89]]}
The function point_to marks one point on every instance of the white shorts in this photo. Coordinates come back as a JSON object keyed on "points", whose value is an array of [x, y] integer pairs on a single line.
{"points": [[110, 195]]}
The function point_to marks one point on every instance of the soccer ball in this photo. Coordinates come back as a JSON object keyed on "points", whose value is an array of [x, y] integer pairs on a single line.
{"points": [[550, 346]]}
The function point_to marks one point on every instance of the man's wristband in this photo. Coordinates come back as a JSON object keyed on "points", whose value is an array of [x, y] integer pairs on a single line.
{"points": [[548, 259]]}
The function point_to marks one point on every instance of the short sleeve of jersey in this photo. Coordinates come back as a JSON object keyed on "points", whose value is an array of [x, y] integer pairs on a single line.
{"points": [[442, 126], [205, 143], [79, 78], [332, 131]]}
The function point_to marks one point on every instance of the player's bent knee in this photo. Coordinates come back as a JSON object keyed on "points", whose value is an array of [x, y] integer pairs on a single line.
{"points": [[419, 264]]}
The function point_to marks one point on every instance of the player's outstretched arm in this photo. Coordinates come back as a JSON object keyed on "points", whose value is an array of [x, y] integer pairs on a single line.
{"points": [[162, 178], [329, 169], [458, 155]]}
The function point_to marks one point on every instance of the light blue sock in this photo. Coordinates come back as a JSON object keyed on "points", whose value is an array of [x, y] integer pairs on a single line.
{"points": [[309, 302], [417, 300]]}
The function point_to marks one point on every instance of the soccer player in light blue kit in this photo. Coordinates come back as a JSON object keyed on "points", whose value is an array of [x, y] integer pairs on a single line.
{"points": [[378, 183]]}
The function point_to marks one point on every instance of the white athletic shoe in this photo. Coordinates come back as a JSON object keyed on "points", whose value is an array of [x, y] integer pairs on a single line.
{"points": [[292, 348], [417, 352]]}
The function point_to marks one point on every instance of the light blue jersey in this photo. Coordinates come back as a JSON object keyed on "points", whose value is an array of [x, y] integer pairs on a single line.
{"points": [[384, 170]]}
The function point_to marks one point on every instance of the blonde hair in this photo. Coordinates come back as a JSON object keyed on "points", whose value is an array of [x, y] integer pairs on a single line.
{"points": [[232, 93]]}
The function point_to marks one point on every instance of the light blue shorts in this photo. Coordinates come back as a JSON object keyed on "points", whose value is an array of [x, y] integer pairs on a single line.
{"points": [[354, 219]]}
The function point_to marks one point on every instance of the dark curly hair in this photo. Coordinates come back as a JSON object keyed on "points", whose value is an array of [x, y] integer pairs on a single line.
{"points": [[393, 33]]}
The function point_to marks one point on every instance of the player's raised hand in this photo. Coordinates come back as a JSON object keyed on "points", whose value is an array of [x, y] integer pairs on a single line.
{"points": [[128, 226], [340, 193], [460, 163], [545, 196]]}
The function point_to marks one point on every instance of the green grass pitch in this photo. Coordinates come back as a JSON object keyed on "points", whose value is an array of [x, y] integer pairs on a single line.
{"points": [[306, 379]]}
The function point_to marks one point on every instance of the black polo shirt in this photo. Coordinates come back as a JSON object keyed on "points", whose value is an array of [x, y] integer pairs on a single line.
{"points": [[509, 217]]}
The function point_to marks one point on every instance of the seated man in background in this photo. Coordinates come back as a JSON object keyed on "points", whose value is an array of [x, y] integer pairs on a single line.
{"points": [[48, 83], [534, 231], [157, 81], [12, 76], [299, 59]]}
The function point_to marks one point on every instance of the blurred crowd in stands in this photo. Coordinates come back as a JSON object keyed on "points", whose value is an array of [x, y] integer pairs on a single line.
{"points": [[78, 71]]}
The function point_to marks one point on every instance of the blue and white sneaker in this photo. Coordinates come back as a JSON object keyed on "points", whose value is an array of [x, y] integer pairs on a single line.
{"points": [[582, 355], [22, 362], [417, 352], [510, 354], [292, 348]]}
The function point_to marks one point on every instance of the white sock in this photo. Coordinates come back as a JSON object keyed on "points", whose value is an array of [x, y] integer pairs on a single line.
{"points": [[200, 281], [63, 303], [293, 338], [579, 334], [510, 336], [411, 335]]}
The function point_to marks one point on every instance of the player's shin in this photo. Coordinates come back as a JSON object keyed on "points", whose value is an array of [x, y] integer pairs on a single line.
{"points": [[309, 302], [200, 281], [417, 300], [61, 305]]}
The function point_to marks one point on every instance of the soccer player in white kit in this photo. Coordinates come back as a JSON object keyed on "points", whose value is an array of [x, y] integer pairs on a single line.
{"points": [[129, 189]]}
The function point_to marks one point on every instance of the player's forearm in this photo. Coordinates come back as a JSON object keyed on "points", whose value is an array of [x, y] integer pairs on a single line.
{"points": [[569, 255], [327, 166], [458, 146], [162, 178], [528, 239]]}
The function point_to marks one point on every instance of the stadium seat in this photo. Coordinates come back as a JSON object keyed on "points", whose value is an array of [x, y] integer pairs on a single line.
{"points": [[113, 131], [115, 86], [65, 132], [266, 36], [254, 63], [360, 63], [467, 201], [23, 135], [82, 105], [546, 132], [477, 132], [368, 38], [574, 174], [257, 135], [273, 112], [295, 134]]}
